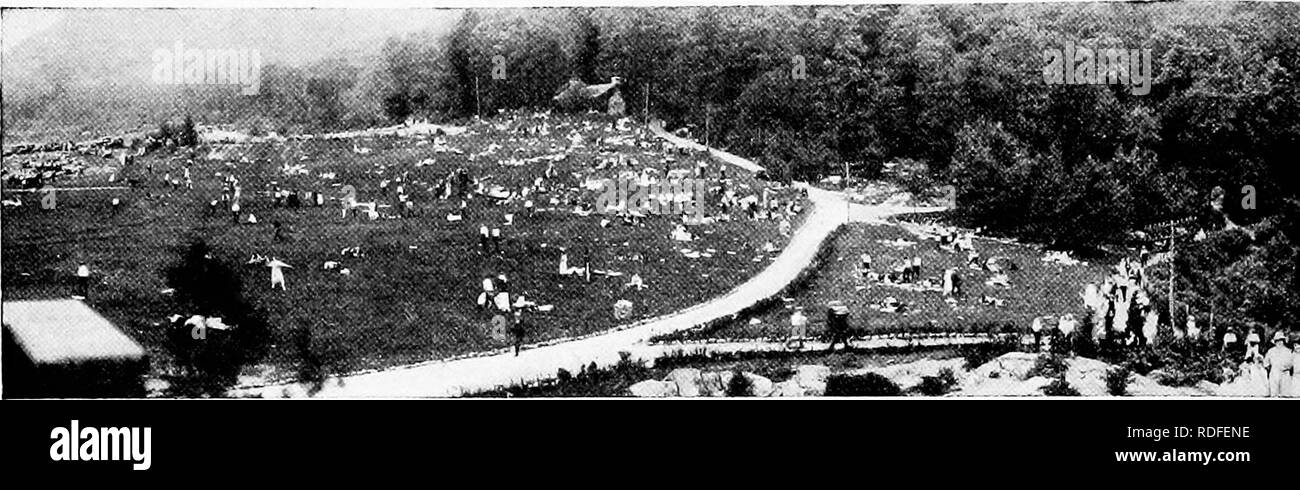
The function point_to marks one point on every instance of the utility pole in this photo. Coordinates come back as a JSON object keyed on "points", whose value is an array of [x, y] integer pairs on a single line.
{"points": [[647, 104], [1171, 276], [478, 108], [848, 203]]}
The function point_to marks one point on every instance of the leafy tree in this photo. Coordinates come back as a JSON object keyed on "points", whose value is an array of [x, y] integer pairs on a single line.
{"points": [[209, 287]]}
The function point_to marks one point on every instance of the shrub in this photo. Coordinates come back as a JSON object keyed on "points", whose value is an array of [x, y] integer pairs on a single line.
{"points": [[311, 365], [682, 358], [740, 385], [1117, 380], [209, 287], [938, 384], [1059, 387], [782, 372], [1175, 363], [915, 177], [870, 384], [931, 386], [1048, 366], [626, 364], [183, 133], [978, 354]]}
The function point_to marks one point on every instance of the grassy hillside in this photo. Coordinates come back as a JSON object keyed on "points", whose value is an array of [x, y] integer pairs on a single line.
{"points": [[410, 295]]}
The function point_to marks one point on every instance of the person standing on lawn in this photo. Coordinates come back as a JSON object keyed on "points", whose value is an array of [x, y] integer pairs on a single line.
{"points": [[798, 327], [837, 325], [1279, 360], [519, 330], [277, 273], [83, 282]]}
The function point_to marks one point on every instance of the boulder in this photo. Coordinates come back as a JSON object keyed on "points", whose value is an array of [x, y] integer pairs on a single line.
{"points": [[1088, 376], [1236, 387], [812, 378], [787, 388], [1146, 386], [1003, 386], [1013, 365], [653, 389], [760, 386], [688, 381], [714, 383], [1086, 384], [908, 375]]}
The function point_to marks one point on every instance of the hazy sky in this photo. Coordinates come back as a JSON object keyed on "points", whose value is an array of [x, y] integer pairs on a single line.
{"points": [[17, 25], [288, 29]]}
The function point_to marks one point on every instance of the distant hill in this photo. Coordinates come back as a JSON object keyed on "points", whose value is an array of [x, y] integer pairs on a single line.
{"points": [[90, 55]]}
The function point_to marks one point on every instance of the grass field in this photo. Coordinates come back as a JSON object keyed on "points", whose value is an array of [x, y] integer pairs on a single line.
{"points": [[1038, 288], [410, 295]]}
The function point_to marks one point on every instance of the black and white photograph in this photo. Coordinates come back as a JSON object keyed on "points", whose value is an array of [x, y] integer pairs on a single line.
{"points": [[948, 200]]}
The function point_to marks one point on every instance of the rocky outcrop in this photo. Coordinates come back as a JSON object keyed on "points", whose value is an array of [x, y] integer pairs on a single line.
{"points": [[1012, 365], [909, 375], [691, 383], [1140, 385], [1003, 386], [1088, 376], [653, 389], [687, 380]]}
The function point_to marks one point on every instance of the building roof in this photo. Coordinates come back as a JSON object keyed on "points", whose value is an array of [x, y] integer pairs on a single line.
{"points": [[66, 331]]}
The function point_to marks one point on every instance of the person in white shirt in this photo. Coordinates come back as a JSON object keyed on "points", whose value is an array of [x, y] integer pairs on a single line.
{"points": [[1295, 376], [1252, 347], [1280, 364], [83, 282], [277, 273], [1229, 341], [798, 328], [502, 301]]}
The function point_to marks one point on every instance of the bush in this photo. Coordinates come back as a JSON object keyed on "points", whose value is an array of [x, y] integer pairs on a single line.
{"points": [[627, 364], [915, 177], [740, 385], [979, 354], [870, 384], [939, 384], [1048, 366], [1117, 380], [209, 287], [1059, 387], [1175, 363], [183, 133], [311, 365]]}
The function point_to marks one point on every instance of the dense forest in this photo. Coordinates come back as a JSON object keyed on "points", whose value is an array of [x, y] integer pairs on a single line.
{"points": [[958, 92]]}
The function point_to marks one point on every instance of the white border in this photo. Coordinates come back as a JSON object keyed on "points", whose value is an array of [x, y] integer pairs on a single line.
{"points": [[455, 4]]}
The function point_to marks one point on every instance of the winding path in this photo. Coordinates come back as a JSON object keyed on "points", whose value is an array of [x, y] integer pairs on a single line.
{"points": [[450, 378]]}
